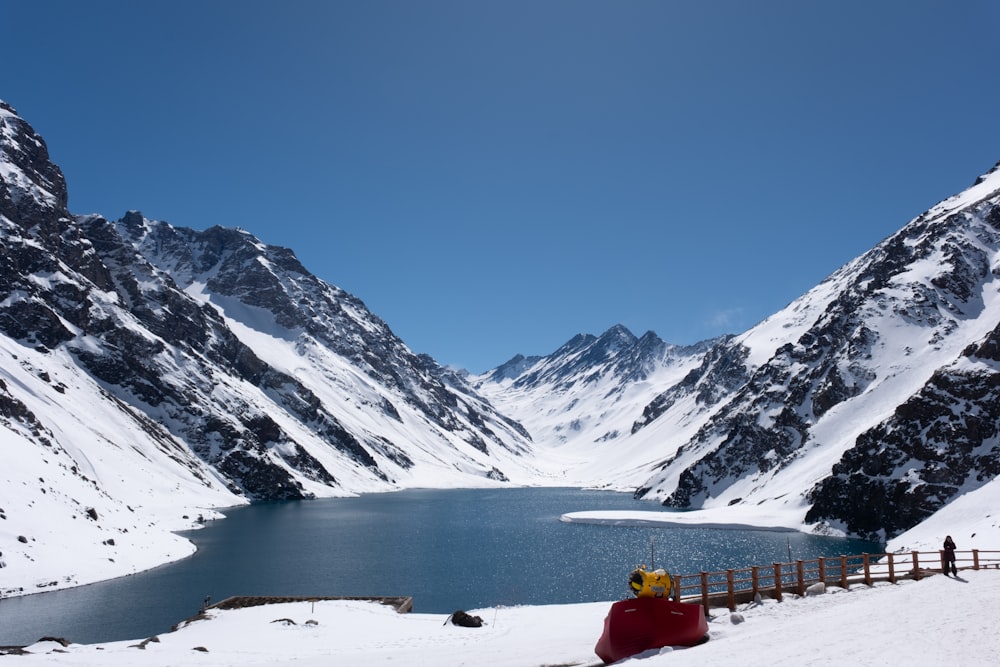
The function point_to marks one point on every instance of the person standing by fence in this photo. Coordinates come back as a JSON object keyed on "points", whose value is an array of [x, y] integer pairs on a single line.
{"points": [[948, 556]]}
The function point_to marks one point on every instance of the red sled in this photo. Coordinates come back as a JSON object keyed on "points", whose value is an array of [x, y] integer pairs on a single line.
{"points": [[634, 626]]}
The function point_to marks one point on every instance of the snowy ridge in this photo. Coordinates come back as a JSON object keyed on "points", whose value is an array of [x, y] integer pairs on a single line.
{"points": [[580, 402], [330, 342], [28, 181], [805, 415], [150, 373], [878, 329]]}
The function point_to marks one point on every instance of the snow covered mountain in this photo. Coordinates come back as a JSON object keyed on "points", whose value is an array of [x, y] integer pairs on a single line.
{"points": [[863, 407], [581, 402], [150, 373], [147, 371]]}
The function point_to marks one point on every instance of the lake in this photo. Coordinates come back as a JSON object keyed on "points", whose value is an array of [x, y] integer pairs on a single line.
{"points": [[448, 549]]}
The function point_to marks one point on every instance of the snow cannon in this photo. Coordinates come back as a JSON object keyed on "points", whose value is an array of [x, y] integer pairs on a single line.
{"points": [[650, 621], [649, 584]]}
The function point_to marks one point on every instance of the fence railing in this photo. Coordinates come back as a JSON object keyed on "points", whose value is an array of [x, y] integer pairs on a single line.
{"points": [[729, 588]]}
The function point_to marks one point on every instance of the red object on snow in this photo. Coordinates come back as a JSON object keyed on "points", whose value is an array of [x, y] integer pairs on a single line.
{"points": [[634, 626]]}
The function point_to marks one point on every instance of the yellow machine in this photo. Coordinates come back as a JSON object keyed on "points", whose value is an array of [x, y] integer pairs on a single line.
{"points": [[646, 584]]}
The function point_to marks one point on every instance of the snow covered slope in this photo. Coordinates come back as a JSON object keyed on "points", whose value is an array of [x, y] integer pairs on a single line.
{"points": [[150, 373], [863, 407], [887, 624], [147, 371], [581, 402]]}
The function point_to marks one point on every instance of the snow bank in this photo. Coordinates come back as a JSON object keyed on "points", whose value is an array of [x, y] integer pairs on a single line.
{"points": [[925, 622]]}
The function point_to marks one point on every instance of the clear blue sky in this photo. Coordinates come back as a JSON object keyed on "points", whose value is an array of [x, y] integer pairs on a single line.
{"points": [[496, 177]]}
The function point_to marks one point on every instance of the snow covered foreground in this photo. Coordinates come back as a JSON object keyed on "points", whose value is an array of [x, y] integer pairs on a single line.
{"points": [[940, 620]]}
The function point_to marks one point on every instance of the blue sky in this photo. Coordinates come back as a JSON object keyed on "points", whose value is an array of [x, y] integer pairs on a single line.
{"points": [[492, 178]]}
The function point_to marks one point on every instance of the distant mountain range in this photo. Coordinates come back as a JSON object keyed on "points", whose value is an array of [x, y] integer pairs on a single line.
{"points": [[147, 369]]}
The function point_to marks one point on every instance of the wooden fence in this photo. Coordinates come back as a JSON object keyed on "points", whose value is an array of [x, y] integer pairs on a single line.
{"points": [[732, 587]]}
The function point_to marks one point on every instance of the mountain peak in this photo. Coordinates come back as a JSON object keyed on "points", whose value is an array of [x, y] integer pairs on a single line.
{"points": [[616, 338], [32, 188]]}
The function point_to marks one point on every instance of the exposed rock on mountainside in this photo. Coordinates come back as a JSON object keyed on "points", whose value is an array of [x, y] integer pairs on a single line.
{"points": [[583, 399], [885, 365], [884, 331], [146, 367], [941, 442], [226, 350], [722, 371]]}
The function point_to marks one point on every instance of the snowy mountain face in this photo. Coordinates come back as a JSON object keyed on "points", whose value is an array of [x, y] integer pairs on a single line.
{"points": [[942, 440], [228, 345], [149, 373], [207, 360], [869, 400], [581, 402], [864, 407]]}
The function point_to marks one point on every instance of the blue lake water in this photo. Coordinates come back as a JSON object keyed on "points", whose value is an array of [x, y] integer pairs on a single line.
{"points": [[448, 549]]}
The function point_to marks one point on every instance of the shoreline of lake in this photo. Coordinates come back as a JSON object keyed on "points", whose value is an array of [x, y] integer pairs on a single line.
{"points": [[446, 548]]}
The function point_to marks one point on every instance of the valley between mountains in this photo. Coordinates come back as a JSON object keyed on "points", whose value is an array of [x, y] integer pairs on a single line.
{"points": [[151, 374]]}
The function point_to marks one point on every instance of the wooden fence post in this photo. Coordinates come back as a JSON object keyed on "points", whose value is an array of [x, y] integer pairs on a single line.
{"points": [[799, 578], [704, 591]]}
